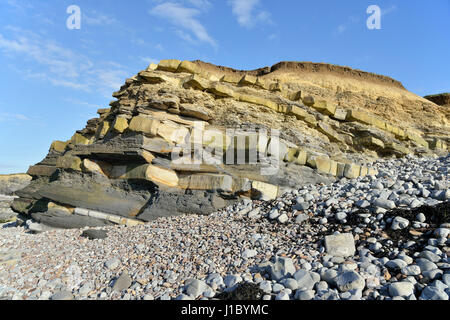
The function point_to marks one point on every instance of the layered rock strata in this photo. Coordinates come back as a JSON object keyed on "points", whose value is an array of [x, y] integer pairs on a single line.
{"points": [[188, 137], [10, 183]]}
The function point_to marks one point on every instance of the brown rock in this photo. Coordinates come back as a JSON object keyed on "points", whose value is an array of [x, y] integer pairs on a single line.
{"points": [[42, 170], [190, 110], [144, 124], [442, 99], [248, 80], [196, 82], [69, 162], [188, 67], [59, 146], [170, 65], [308, 101]]}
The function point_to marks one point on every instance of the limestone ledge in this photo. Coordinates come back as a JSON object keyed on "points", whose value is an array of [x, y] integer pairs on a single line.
{"points": [[107, 217], [204, 176]]}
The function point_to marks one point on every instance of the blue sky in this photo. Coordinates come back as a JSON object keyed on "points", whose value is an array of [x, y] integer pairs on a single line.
{"points": [[54, 79]]}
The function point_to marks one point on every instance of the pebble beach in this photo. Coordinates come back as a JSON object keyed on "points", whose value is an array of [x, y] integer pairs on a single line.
{"points": [[372, 238]]}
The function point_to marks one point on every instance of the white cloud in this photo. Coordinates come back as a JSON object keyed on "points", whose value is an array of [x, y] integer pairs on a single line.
{"points": [[19, 4], [341, 28], [388, 10], [345, 26], [7, 117], [138, 41], [185, 20], [142, 42], [149, 60], [57, 59], [265, 17], [95, 18], [46, 60], [201, 4], [185, 36], [242, 9], [111, 78], [352, 20], [81, 103], [56, 81], [244, 12], [25, 8]]}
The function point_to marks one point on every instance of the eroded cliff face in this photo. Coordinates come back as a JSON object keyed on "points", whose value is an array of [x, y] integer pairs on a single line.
{"points": [[10, 183], [442, 99], [192, 137], [350, 88]]}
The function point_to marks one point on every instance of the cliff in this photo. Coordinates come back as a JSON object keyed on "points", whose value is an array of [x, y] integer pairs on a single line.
{"points": [[191, 137]]}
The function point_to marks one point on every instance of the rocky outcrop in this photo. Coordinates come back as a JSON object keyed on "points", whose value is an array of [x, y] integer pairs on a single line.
{"points": [[6, 214], [442, 99], [191, 137], [10, 183]]}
